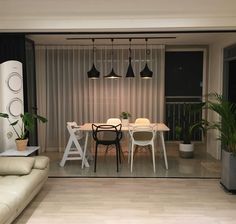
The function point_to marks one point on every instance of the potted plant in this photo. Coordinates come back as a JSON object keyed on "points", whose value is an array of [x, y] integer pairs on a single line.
{"points": [[125, 118], [227, 135], [23, 126], [185, 129]]}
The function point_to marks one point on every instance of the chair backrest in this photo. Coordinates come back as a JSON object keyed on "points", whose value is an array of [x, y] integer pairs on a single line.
{"points": [[142, 121], [113, 121], [107, 133], [71, 128], [142, 133], [71, 124]]}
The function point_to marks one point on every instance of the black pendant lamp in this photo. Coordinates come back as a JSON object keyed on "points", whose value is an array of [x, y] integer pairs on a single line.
{"points": [[130, 71], [93, 73], [146, 73], [112, 74]]}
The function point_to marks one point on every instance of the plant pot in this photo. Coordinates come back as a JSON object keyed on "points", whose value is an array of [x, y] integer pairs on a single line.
{"points": [[186, 150], [228, 171], [21, 144], [125, 122]]}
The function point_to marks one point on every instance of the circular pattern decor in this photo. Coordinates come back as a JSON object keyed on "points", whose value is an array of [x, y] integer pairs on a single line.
{"points": [[15, 107], [14, 82]]}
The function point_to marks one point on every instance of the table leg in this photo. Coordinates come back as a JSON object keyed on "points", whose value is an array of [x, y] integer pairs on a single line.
{"points": [[164, 148]]}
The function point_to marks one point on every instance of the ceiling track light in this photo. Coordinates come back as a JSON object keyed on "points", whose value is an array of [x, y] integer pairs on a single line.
{"points": [[93, 73], [112, 74], [130, 71], [146, 73]]}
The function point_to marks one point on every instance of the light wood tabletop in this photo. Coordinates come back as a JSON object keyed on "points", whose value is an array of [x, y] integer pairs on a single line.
{"points": [[156, 126]]}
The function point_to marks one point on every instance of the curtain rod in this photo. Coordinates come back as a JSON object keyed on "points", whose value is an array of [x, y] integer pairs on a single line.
{"points": [[118, 38]]}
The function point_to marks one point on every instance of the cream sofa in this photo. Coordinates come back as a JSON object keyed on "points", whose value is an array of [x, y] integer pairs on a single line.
{"points": [[21, 178]]}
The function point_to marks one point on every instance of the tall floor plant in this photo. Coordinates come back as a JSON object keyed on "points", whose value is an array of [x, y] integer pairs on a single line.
{"points": [[227, 123], [227, 135]]}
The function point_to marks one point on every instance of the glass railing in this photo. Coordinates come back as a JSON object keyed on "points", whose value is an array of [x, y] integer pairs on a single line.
{"points": [[175, 114]]}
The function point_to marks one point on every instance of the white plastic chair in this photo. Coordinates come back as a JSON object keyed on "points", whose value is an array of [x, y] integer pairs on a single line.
{"points": [[142, 135], [74, 146], [142, 121], [113, 121]]}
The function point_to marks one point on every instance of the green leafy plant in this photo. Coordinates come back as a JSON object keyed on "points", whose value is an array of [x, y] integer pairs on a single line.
{"points": [[27, 124], [125, 115], [185, 129], [227, 123]]}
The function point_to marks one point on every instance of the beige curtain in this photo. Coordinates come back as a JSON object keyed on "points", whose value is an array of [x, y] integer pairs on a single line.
{"points": [[64, 93]]}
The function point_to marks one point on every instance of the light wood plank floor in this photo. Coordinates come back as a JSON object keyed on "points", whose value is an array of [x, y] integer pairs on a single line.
{"points": [[131, 201]]}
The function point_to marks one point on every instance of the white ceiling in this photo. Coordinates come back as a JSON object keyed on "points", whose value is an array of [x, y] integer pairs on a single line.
{"points": [[105, 8], [116, 15], [114, 8], [133, 16]]}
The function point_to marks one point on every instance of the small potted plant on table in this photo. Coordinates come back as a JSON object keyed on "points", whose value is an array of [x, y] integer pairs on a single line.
{"points": [[24, 125], [125, 118]]}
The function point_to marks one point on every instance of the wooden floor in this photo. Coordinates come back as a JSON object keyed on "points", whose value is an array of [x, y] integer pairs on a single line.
{"points": [[131, 201]]}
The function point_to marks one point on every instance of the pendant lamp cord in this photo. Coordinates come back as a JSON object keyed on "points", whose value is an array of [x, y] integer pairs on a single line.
{"points": [[130, 50], [112, 52], [146, 39], [93, 51]]}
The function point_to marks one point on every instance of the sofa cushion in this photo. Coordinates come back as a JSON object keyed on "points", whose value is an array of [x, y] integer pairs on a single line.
{"points": [[5, 212], [10, 199], [41, 162], [16, 165], [16, 191], [22, 186]]}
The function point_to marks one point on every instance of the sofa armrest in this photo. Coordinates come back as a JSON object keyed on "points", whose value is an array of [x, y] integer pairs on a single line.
{"points": [[41, 162], [16, 165]]}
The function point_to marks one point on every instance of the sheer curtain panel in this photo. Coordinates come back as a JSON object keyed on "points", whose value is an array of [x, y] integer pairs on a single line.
{"points": [[64, 93]]}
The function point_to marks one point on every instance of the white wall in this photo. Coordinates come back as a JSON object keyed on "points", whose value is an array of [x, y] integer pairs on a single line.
{"points": [[215, 77]]}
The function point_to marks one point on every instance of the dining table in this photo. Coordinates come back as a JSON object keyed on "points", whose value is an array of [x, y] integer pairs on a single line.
{"points": [[159, 129]]}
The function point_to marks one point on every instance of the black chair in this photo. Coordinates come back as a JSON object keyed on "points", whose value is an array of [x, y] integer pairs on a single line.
{"points": [[107, 135]]}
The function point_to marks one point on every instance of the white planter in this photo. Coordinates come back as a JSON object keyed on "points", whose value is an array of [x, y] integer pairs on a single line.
{"points": [[125, 122], [186, 150]]}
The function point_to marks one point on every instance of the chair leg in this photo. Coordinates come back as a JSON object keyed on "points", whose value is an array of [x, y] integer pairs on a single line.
{"points": [[95, 161], [107, 149], [153, 158], [129, 150], [67, 150], [120, 152], [117, 159]]}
